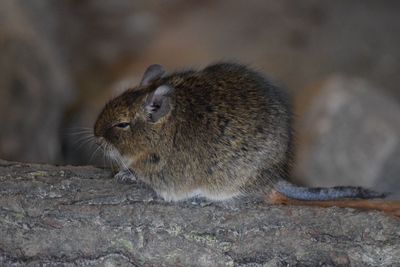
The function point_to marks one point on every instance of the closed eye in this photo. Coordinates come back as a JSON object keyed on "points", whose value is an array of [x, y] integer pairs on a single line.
{"points": [[122, 125]]}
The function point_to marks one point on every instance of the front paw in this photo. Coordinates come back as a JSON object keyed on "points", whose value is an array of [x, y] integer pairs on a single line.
{"points": [[126, 176]]}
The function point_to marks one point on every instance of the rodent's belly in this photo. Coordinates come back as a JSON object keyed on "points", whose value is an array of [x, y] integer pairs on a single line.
{"points": [[181, 179], [170, 195]]}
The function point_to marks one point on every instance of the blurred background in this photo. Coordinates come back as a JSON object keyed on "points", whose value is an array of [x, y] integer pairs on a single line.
{"points": [[60, 61]]}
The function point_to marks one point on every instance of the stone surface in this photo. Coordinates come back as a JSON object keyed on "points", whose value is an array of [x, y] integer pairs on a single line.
{"points": [[351, 136], [79, 216]]}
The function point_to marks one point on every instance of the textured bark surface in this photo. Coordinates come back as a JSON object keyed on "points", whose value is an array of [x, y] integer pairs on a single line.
{"points": [[79, 216]]}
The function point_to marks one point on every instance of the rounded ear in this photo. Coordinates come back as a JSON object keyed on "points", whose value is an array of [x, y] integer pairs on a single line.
{"points": [[152, 73], [158, 103]]}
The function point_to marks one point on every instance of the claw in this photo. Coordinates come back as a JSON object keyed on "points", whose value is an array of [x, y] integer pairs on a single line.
{"points": [[126, 176]]}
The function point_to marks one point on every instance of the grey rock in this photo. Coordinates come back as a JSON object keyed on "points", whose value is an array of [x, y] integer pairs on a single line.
{"points": [[79, 216], [351, 136]]}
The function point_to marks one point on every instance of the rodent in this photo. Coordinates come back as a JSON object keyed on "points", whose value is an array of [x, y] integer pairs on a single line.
{"points": [[221, 132]]}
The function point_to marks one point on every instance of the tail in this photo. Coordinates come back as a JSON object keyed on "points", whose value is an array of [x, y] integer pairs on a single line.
{"points": [[340, 196], [325, 193]]}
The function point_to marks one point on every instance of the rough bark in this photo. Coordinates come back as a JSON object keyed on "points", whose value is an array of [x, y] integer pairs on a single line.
{"points": [[79, 216]]}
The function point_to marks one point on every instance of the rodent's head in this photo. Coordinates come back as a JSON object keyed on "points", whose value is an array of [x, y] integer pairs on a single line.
{"points": [[136, 120]]}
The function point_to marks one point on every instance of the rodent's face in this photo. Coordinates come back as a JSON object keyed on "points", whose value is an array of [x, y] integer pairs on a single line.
{"points": [[118, 120], [133, 122]]}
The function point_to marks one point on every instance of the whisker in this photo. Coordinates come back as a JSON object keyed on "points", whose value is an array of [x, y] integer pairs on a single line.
{"points": [[84, 141], [114, 157], [79, 128], [97, 149], [123, 164], [107, 157], [83, 138], [105, 153], [78, 131]]}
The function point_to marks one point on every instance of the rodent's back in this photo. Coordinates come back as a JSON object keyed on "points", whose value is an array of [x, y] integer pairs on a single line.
{"points": [[220, 132], [232, 129]]}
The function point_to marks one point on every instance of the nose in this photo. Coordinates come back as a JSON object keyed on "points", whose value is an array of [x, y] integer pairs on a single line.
{"points": [[100, 140]]}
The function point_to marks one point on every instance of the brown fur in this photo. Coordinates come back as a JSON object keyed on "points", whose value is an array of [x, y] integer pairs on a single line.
{"points": [[226, 132]]}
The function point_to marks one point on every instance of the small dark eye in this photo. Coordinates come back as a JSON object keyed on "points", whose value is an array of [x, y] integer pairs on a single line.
{"points": [[122, 125]]}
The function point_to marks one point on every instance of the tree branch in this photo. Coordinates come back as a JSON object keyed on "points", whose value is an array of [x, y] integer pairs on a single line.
{"points": [[79, 216]]}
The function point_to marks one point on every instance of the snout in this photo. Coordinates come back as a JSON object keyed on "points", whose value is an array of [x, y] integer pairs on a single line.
{"points": [[100, 140]]}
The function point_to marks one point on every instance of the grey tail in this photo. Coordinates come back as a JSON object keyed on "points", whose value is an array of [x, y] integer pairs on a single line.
{"points": [[325, 193]]}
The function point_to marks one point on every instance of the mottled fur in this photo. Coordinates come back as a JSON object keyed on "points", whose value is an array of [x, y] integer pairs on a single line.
{"points": [[227, 133]]}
